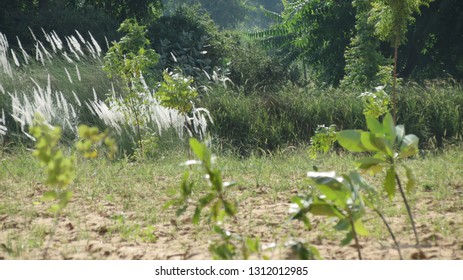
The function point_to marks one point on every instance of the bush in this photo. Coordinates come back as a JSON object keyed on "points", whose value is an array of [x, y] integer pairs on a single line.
{"points": [[252, 68], [271, 121], [291, 116], [433, 112], [189, 40]]}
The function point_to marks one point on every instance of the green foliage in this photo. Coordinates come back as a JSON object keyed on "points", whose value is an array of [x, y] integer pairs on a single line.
{"points": [[177, 92], [221, 209], [226, 13], [188, 40], [340, 199], [290, 116], [389, 144], [435, 43], [322, 141], [365, 65], [392, 17], [375, 103], [90, 139], [316, 32], [253, 68], [304, 251], [127, 59], [219, 206], [433, 113], [60, 170], [101, 17]]}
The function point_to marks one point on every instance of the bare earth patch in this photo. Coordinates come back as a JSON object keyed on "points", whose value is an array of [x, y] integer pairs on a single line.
{"points": [[104, 231]]}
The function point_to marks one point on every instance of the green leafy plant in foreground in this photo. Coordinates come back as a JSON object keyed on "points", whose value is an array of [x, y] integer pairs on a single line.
{"points": [[230, 246], [388, 145], [340, 198], [60, 169]]}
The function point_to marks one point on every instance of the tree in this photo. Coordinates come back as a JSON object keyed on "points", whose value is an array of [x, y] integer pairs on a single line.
{"points": [[435, 44], [366, 66], [316, 32], [391, 19], [127, 59], [144, 11]]}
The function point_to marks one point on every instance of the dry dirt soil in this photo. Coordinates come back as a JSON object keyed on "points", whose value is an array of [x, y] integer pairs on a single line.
{"points": [[104, 231]]}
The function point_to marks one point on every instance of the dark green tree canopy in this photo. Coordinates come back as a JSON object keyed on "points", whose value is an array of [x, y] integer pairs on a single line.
{"points": [[100, 17]]}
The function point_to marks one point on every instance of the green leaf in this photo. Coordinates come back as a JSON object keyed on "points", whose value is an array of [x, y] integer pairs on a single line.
{"points": [[186, 187], [360, 228], [351, 140], [409, 146], [348, 238], [55, 208], [400, 132], [389, 127], [390, 132], [217, 229], [65, 196], [358, 181], [197, 215], [205, 200], [169, 204], [343, 224], [368, 140], [411, 183], [230, 208], [367, 163], [253, 245], [49, 196], [374, 125], [389, 182], [215, 177], [324, 209], [338, 196], [197, 148]]}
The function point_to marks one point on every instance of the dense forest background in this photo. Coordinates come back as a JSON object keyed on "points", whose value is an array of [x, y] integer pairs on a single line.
{"points": [[318, 34]]}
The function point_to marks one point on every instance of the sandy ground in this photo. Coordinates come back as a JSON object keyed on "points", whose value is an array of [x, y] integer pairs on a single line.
{"points": [[93, 233]]}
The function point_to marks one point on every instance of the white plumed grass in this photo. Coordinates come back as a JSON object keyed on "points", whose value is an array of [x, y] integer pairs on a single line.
{"points": [[42, 83], [3, 128], [155, 117], [53, 106]]}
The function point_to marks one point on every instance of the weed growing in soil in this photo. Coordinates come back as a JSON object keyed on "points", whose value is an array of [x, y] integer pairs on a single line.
{"points": [[230, 246], [61, 169]]}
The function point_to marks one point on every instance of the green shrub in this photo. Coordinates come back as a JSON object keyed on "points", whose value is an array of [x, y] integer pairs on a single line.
{"points": [[253, 68], [187, 40], [291, 116], [433, 113]]}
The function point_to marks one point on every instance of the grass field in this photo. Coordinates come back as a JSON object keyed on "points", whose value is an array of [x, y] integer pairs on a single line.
{"points": [[117, 209]]}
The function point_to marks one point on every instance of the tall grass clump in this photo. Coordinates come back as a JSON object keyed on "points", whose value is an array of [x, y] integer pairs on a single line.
{"points": [[291, 116], [53, 79], [433, 111], [63, 80], [278, 119]]}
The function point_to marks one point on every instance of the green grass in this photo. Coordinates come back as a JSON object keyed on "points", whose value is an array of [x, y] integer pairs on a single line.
{"points": [[122, 203]]}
